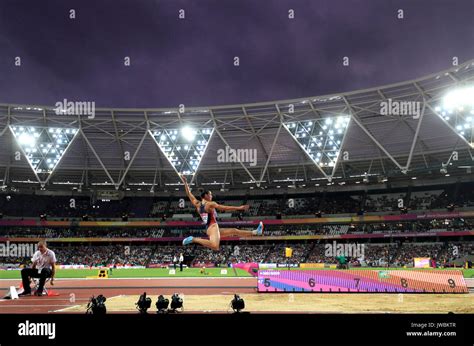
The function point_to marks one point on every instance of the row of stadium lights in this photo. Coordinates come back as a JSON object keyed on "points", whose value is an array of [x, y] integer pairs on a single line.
{"points": [[321, 139]]}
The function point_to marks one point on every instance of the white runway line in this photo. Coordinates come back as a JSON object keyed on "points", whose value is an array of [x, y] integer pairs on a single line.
{"points": [[30, 306], [45, 299], [77, 305], [65, 309], [150, 278], [230, 293]]}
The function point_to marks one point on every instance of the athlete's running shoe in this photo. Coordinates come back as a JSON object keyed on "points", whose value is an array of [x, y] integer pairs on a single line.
{"points": [[259, 229], [188, 240]]}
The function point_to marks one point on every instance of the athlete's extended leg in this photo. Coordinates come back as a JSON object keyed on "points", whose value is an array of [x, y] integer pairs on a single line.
{"points": [[214, 238], [227, 232]]}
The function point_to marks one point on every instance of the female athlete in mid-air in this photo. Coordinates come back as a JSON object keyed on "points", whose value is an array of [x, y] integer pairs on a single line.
{"points": [[207, 209]]}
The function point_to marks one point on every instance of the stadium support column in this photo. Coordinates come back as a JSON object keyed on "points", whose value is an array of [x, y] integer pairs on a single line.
{"points": [[273, 145], [4, 130], [98, 157], [133, 159], [216, 128], [367, 132], [415, 138]]}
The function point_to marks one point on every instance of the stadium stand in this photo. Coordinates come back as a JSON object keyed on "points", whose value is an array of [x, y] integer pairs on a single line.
{"points": [[18, 205]]}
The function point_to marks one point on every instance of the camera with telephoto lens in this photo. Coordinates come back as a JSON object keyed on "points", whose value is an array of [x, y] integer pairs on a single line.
{"points": [[176, 303], [237, 303], [143, 303], [96, 305], [162, 305]]}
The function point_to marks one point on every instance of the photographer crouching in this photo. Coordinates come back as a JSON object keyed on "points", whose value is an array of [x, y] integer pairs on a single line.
{"points": [[44, 266]]}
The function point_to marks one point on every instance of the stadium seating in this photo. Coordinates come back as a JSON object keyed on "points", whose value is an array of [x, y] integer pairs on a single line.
{"points": [[460, 195]]}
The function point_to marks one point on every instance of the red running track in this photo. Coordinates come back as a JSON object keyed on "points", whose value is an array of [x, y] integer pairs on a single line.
{"points": [[78, 291]]}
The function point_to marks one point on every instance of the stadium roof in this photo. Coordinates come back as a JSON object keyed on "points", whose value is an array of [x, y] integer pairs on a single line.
{"points": [[116, 148]]}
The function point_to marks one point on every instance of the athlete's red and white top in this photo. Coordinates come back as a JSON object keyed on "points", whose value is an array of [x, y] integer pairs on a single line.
{"points": [[208, 218]]}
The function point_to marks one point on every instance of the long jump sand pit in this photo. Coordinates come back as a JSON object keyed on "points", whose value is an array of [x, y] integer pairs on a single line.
{"points": [[311, 303]]}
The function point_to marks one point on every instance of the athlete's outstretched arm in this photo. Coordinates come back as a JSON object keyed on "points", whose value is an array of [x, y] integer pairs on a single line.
{"points": [[221, 207], [191, 197]]}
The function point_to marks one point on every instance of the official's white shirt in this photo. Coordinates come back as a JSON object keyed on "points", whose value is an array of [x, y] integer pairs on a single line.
{"points": [[45, 260], [181, 258]]}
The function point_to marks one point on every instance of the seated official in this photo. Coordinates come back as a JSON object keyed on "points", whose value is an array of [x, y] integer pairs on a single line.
{"points": [[44, 261]]}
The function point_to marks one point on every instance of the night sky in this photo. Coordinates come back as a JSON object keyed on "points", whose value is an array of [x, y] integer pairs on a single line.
{"points": [[191, 61]]}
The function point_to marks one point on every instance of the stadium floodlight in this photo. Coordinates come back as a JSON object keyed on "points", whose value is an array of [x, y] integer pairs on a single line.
{"points": [[43, 146], [459, 98], [457, 109], [321, 139], [188, 133], [184, 148]]}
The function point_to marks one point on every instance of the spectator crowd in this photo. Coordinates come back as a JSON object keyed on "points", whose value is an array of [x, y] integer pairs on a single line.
{"points": [[394, 254]]}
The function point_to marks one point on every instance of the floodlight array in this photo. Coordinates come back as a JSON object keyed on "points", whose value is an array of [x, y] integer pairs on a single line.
{"points": [[457, 109], [43, 146], [321, 139], [184, 148]]}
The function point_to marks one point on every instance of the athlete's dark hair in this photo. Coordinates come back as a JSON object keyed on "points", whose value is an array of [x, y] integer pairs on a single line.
{"points": [[203, 192]]}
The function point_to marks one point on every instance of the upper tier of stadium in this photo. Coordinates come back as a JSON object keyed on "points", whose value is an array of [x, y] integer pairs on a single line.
{"points": [[444, 199], [415, 130]]}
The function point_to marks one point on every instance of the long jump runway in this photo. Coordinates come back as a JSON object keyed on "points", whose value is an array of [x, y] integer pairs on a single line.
{"points": [[74, 294]]}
